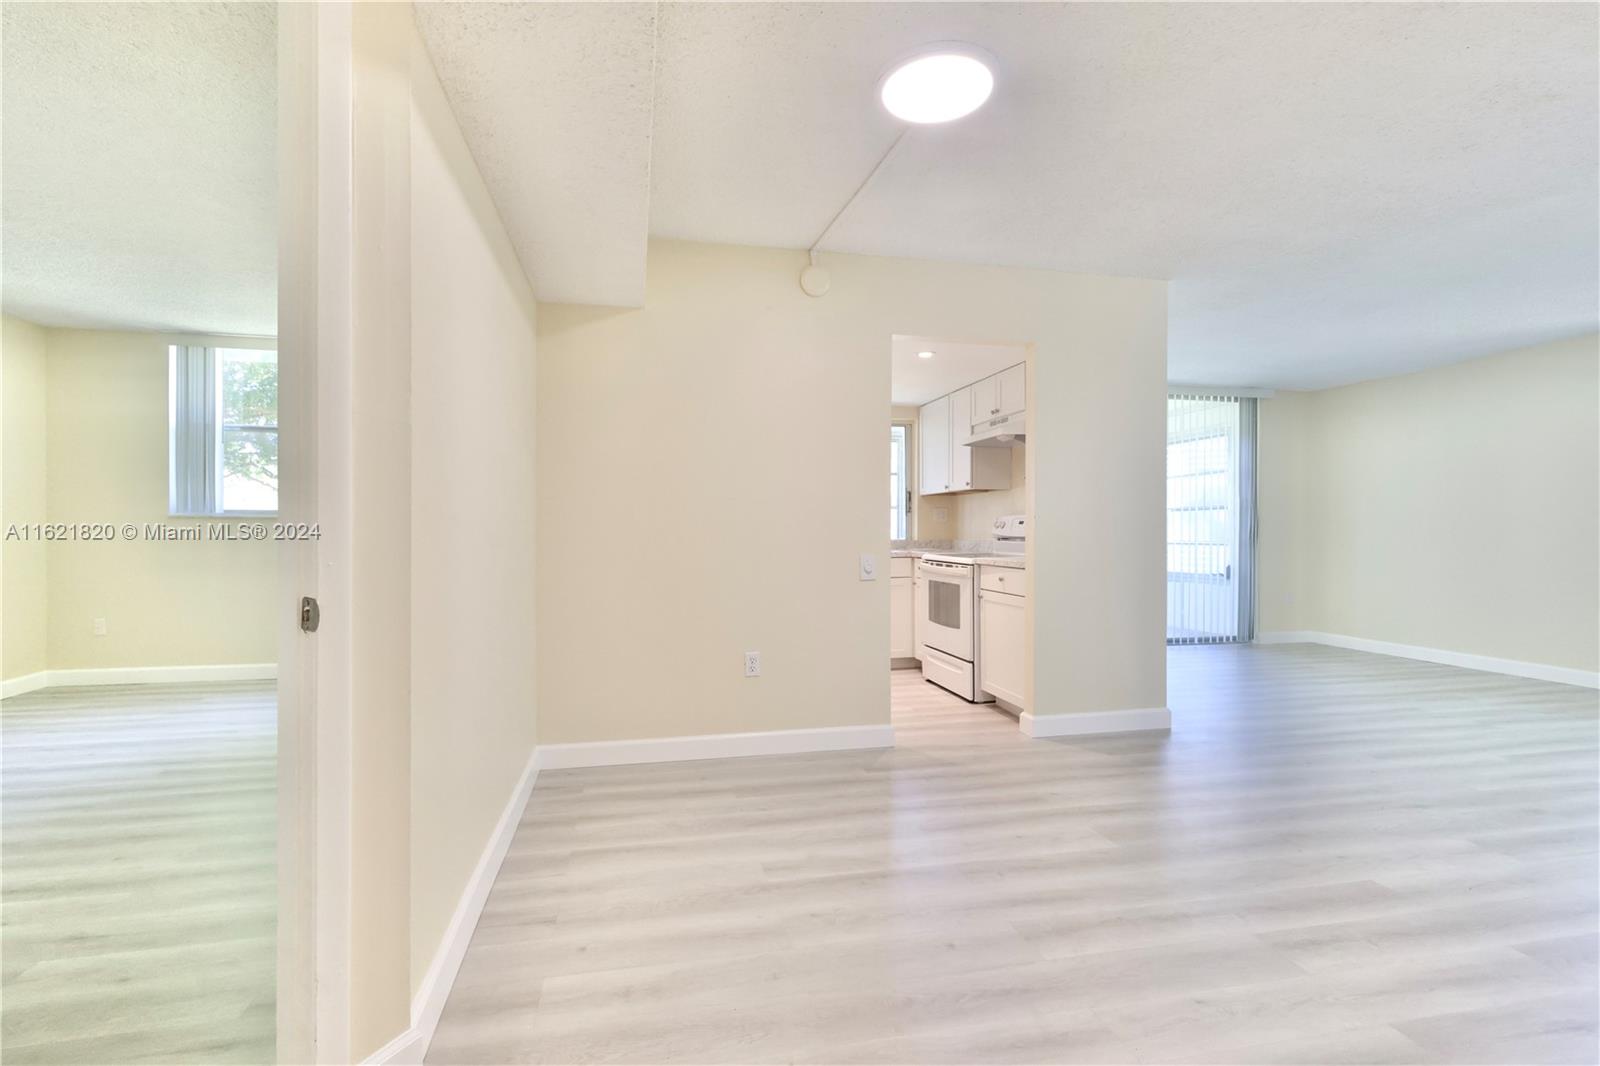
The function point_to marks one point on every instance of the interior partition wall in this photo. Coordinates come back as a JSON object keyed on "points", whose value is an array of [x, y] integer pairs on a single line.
{"points": [[1211, 518]]}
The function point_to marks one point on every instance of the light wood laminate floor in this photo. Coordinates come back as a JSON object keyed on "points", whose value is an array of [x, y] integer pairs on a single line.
{"points": [[137, 874], [1336, 857]]}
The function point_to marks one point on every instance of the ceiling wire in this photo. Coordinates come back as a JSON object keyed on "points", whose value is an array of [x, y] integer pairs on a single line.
{"points": [[812, 251]]}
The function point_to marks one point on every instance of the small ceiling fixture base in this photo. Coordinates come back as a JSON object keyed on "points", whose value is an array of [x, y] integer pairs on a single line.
{"points": [[938, 83], [815, 280]]}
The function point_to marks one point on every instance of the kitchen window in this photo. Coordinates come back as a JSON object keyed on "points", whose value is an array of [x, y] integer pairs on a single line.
{"points": [[899, 484], [223, 430]]}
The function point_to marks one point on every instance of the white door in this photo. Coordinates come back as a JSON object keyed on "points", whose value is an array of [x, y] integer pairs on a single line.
{"points": [[919, 607], [1000, 628], [902, 621], [961, 454], [950, 608], [933, 447], [985, 401], [1011, 392]]}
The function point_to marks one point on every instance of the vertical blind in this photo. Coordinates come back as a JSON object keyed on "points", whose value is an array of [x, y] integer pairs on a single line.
{"points": [[1210, 519]]}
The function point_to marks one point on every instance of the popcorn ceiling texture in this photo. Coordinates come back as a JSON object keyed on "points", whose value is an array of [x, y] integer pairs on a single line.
{"points": [[140, 170], [1338, 191], [554, 101]]}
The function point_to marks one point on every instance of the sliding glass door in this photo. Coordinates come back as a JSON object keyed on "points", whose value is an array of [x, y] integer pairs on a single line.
{"points": [[1211, 444]]}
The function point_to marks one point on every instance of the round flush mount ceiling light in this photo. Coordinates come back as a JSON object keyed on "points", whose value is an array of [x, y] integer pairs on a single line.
{"points": [[924, 355], [939, 83]]}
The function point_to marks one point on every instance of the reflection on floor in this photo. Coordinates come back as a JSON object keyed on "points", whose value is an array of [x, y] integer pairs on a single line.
{"points": [[1335, 857], [137, 874]]}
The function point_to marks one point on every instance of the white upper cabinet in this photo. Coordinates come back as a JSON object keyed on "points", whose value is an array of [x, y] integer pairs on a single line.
{"points": [[999, 395], [960, 455], [934, 443], [1011, 385], [944, 463], [985, 400]]}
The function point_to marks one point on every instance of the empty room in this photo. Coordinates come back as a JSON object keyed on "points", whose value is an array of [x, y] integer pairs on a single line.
{"points": [[413, 415]]}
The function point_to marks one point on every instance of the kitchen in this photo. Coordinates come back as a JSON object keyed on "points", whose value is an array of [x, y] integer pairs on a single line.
{"points": [[959, 519]]}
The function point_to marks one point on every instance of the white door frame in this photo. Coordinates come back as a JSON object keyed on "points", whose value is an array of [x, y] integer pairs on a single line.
{"points": [[314, 345]]}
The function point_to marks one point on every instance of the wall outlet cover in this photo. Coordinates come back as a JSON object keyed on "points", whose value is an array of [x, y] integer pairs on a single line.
{"points": [[752, 664], [99, 627], [869, 568]]}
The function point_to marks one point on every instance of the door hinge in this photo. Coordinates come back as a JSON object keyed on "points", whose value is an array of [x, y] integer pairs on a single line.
{"points": [[310, 613]]}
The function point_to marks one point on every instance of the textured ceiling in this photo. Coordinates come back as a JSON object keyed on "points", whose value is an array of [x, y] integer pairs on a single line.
{"points": [[954, 365], [1338, 191], [139, 165], [554, 100]]}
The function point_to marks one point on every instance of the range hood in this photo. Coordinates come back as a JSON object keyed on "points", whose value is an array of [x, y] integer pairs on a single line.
{"points": [[1007, 431]]}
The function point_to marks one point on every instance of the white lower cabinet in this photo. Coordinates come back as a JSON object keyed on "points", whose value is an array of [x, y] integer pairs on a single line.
{"points": [[1002, 637], [902, 611], [919, 609]]}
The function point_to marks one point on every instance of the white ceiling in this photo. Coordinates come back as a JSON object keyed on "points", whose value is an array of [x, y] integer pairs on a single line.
{"points": [[1338, 191], [555, 101], [955, 364], [140, 165]]}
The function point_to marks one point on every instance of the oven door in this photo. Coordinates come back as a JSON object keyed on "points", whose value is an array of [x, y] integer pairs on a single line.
{"points": [[948, 626]]}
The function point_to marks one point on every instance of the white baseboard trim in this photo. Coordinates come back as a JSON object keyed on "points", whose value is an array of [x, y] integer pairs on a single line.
{"points": [[18, 686], [714, 746], [1563, 675], [411, 1046], [140, 675], [1088, 723]]}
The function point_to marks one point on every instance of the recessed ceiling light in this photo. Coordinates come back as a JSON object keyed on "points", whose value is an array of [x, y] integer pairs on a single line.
{"points": [[924, 355], [941, 83]]}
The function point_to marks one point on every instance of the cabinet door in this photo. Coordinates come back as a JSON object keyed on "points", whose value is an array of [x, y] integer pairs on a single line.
{"points": [[919, 608], [985, 403], [1000, 636], [1011, 393], [960, 454], [902, 621], [933, 448]]}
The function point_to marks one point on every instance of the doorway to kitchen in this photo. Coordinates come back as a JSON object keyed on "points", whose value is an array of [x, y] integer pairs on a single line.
{"points": [[1211, 518], [958, 528]]}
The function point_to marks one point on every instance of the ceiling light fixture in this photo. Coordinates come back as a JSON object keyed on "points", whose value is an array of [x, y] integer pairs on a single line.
{"points": [[924, 355], [940, 83]]}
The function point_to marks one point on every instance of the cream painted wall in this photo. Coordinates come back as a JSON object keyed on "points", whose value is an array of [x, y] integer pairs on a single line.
{"points": [[165, 604], [25, 603], [683, 477], [1456, 509], [472, 525], [975, 512]]}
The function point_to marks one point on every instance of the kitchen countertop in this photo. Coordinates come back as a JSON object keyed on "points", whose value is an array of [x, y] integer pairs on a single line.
{"points": [[1010, 562]]}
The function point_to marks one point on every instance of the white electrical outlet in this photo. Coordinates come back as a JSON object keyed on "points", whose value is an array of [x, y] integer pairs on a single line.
{"points": [[752, 664], [99, 627], [869, 568], [941, 514]]}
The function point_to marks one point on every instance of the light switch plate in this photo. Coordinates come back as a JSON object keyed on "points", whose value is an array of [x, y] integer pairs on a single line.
{"points": [[869, 568]]}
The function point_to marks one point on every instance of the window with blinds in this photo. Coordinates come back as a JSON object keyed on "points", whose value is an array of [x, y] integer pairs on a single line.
{"points": [[1210, 519]]}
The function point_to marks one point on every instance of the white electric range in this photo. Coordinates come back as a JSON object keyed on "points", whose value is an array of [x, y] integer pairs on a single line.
{"points": [[950, 631]]}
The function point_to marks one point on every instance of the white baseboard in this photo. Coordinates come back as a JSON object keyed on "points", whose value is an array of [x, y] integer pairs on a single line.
{"points": [[17, 686], [1563, 675], [714, 746], [139, 675], [411, 1046], [1088, 723]]}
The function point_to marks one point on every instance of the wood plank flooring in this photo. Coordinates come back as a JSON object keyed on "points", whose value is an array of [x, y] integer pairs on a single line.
{"points": [[1336, 857], [137, 874]]}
